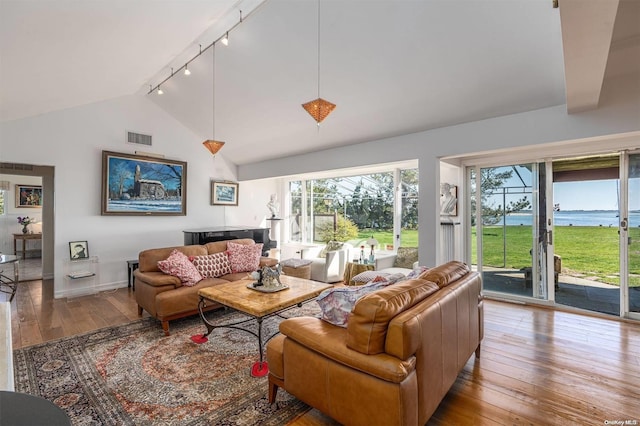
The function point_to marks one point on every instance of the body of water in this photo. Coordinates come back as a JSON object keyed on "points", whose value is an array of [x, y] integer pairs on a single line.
{"points": [[578, 218]]}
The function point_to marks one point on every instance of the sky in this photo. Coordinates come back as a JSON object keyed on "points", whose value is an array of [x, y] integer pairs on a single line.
{"points": [[582, 195], [586, 195]]}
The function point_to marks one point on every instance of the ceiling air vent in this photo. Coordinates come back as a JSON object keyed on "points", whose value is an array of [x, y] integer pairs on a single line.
{"points": [[139, 138], [15, 166]]}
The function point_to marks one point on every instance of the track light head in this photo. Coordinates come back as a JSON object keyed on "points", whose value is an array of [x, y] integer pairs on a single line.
{"points": [[160, 92], [186, 70], [225, 39]]}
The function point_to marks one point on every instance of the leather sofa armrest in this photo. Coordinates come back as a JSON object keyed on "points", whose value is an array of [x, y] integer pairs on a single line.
{"points": [[329, 341], [156, 279]]}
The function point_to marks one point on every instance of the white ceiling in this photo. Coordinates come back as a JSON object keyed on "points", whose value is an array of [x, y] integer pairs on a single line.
{"points": [[392, 67]]}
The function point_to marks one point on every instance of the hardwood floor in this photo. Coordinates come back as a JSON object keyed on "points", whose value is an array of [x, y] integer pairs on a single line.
{"points": [[37, 317], [538, 366]]}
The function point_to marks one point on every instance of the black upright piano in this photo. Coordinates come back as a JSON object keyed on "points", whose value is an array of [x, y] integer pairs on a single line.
{"points": [[221, 233]]}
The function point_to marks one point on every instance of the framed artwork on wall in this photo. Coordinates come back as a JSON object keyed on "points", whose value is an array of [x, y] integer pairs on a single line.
{"points": [[448, 200], [28, 196], [78, 250], [143, 186], [224, 193]]}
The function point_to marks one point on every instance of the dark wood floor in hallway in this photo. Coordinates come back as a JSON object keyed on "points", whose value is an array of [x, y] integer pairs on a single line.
{"points": [[538, 366]]}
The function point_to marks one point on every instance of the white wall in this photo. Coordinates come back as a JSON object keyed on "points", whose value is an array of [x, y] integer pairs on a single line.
{"points": [[72, 141], [619, 113]]}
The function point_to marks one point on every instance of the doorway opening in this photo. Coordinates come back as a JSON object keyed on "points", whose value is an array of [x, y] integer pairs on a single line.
{"points": [[38, 260], [586, 221]]}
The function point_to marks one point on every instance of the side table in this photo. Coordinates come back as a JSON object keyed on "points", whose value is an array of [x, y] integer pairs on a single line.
{"points": [[132, 265], [352, 269]]}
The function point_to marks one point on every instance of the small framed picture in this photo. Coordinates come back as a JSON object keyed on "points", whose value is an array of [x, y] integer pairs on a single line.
{"points": [[78, 250], [224, 193], [28, 196]]}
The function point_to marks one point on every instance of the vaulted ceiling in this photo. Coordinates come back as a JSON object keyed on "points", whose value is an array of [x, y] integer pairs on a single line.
{"points": [[392, 67]]}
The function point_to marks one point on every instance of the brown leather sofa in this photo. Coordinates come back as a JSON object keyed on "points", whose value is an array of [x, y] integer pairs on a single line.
{"points": [[164, 296], [402, 350]]}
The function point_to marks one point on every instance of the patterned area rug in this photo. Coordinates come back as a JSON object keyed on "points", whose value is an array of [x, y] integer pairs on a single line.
{"points": [[134, 375]]}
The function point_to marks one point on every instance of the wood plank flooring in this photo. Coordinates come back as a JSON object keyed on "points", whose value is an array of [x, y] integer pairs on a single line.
{"points": [[538, 366]]}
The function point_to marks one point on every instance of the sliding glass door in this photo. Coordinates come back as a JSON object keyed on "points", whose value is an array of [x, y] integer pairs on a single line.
{"points": [[511, 229]]}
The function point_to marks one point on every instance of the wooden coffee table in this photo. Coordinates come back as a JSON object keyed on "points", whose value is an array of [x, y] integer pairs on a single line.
{"points": [[257, 305]]}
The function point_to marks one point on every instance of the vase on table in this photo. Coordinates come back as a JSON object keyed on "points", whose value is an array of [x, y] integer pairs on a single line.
{"points": [[24, 229]]}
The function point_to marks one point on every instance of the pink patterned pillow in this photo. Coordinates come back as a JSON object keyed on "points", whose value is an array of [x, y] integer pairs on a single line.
{"points": [[244, 257], [212, 265], [178, 265]]}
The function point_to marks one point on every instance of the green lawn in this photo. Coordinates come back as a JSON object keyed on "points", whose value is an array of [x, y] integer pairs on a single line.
{"points": [[586, 251], [409, 238]]}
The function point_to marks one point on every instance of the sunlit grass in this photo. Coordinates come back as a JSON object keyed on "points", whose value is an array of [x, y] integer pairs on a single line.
{"points": [[587, 251]]}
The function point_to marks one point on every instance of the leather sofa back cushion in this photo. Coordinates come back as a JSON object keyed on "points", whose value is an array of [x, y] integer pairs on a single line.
{"points": [[148, 259], [220, 246], [368, 322], [445, 274]]}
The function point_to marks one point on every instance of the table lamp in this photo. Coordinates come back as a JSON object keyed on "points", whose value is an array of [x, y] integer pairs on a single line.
{"points": [[373, 243]]}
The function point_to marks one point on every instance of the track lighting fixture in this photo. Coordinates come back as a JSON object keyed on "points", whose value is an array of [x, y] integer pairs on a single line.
{"points": [[224, 39], [160, 92]]}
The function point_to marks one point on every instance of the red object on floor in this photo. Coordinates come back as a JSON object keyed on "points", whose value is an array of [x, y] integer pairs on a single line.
{"points": [[260, 369], [199, 338]]}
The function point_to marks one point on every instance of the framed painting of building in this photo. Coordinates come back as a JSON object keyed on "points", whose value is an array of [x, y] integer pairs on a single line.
{"points": [[143, 186], [28, 196]]}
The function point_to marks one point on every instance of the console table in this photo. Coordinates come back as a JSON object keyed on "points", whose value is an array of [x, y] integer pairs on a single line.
{"points": [[24, 238]]}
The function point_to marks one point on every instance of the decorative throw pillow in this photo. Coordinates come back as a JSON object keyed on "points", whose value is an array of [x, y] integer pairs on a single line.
{"points": [[330, 246], [179, 265], [336, 303], [212, 265], [406, 257], [416, 272], [367, 276], [244, 257]]}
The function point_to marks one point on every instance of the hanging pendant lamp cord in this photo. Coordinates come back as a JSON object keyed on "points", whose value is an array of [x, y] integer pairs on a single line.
{"points": [[213, 92], [318, 48]]}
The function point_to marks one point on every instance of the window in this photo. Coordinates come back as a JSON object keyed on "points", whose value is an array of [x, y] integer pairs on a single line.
{"points": [[352, 208]]}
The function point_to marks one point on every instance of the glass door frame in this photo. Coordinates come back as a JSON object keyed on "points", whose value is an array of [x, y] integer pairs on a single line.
{"points": [[539, 235], [625, 311]]}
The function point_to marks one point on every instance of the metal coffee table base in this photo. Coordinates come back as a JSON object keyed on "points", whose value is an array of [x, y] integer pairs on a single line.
{"points": [[259, 368]]}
